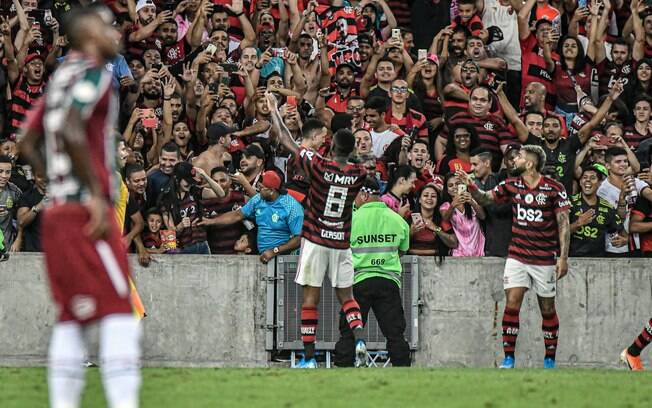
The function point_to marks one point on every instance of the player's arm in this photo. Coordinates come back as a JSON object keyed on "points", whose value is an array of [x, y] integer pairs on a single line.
{"points": [[29, 144], [481, 197], [563, 226], [75, 145], [284, 135]]}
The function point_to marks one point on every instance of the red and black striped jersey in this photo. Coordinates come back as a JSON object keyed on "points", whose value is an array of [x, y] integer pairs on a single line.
{"points": [[533, 69], [491, 130], [327, 220], [535, 235]]}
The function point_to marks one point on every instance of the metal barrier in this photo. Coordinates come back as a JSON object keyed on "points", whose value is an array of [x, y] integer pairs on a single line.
{"points": [[288, 299]]}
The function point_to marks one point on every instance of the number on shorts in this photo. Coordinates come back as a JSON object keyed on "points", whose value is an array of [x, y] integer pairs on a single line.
{"points": [[335, 201]]}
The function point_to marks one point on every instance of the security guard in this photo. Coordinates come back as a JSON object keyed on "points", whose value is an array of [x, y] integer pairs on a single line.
{"points": [[378, 237]]}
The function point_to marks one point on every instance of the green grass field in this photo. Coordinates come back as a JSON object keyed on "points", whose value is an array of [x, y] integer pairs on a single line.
{"points": [[402, 388]]}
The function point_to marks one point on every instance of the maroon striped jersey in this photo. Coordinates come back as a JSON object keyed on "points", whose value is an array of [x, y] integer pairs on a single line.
{"points": [[535, 235], [491, 130], [327, 220]]}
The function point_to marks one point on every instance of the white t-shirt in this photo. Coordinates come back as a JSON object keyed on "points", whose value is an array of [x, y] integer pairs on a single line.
{"points": [[611, 193], [505, 18], [380, 141]]}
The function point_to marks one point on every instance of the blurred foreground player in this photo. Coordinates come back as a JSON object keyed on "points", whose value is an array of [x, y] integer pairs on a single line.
{"points": [[325, 246], [86, 262], [540, 233]]}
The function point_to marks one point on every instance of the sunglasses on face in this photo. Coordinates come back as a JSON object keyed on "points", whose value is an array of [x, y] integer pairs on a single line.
{"points": [[399, 89]]}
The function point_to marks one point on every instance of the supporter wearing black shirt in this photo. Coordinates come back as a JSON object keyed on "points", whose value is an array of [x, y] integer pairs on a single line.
{"points": [[30, 205], [592, 217]]}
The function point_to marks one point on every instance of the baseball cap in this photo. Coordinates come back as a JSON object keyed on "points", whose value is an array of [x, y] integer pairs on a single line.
{"points": [[35, 55], [253, 150], [144, 3], [512, 146], [433, 58], [217, 130], [348, 64], [271, 179]]}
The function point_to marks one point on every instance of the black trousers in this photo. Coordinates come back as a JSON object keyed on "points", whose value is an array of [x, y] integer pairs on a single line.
{"points": [[384, 298]]}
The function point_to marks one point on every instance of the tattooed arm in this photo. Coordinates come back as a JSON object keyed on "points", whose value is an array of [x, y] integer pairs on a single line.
{"points": [[484, 198], [563, 227]]}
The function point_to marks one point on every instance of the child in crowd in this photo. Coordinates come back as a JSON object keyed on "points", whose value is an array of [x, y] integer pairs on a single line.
{"points": [[467, 16], [152, 234], [246, 245]]}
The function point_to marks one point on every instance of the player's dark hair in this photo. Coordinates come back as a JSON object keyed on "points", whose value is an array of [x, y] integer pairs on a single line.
{"points": [[462, 29], [341, 120], [252, 237], [377, 103], [133, 168], [613, 152], [421, 141], [5, 159], [311, 127], [344, 142], [450, 142], [76, 20], [219, 169]]}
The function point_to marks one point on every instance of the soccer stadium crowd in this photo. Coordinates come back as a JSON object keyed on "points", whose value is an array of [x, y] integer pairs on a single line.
{"points": [[428, 88]]}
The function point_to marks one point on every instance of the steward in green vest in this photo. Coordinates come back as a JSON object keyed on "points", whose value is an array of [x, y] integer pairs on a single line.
{"points": [[378, 238]]}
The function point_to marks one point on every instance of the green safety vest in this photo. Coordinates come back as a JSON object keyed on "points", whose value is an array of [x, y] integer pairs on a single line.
{"points": [[377, 235]]}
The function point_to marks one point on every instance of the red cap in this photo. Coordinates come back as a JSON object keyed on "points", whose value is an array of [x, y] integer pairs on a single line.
{"points": [[271, 179], [31, 57]]}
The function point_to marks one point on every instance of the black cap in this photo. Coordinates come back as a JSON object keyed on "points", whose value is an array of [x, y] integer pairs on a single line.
{"points": [[348, 64], [217, 130], [253, 150]]}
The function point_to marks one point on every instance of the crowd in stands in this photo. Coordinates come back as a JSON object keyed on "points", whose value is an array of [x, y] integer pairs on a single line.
{"points": [[428, 87]]}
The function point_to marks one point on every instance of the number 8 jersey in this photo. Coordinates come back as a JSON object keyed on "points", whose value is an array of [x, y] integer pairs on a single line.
{"points": [[329, 207], [535, 235]]}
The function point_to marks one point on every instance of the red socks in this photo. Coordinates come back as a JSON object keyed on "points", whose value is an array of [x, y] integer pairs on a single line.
{"points": [[510, 330], [550, 327], [351, 310]]}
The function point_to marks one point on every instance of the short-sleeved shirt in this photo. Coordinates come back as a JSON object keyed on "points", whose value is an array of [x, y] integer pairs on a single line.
{"points": [[31, 232], [491, 130], [589, 240], [535, 234], [277, 221], [330, 199], [562, 159], [611, 193]]}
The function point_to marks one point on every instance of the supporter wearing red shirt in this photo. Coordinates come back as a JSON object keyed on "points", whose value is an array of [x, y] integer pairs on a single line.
{"points": [[411, 122], [538, 61], [491, 130], [468, 17], [344, 87], [140, 35]]}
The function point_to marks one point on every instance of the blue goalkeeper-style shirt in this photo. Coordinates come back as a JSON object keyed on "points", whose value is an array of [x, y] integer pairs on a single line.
{"points": [[277, 221]]}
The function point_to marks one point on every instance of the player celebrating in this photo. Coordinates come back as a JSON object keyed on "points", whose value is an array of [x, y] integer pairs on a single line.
{"points": [[540, 231], [631, 356], [86, 261], [325, 245]]}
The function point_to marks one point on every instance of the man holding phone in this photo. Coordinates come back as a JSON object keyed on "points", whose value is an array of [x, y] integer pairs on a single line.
{"points": [[379, 236]]}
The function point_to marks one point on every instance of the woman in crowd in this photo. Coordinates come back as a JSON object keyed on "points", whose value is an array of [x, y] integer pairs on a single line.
{"points": [[464, 214], [401, 183], [429, 234], [573, 71], [462, 139]]}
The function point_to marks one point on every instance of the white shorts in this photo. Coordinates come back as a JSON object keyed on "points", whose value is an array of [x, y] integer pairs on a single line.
{"points": [[315, 260], [541, 278]]}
